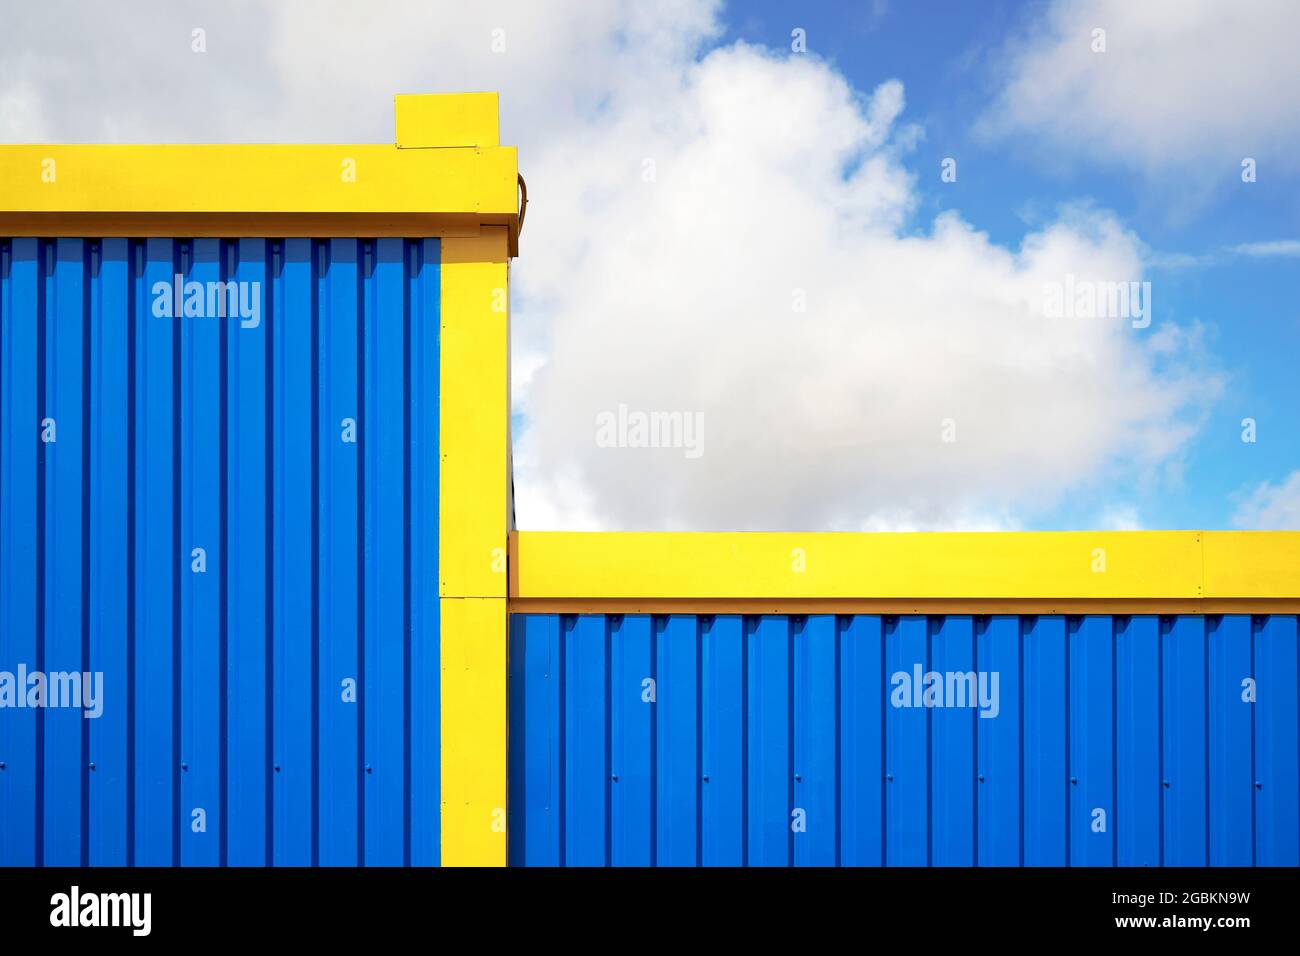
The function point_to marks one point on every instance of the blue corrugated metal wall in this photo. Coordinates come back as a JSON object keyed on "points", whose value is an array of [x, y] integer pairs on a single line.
{"points": [[225, 736], [774, 740]]}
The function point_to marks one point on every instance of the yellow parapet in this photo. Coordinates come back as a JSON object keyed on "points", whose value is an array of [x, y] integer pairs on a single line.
{"points": [[1252, 564], [1027, 572]]}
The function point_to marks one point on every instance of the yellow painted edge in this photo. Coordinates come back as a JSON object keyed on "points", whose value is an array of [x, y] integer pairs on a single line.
{"points": [[899, 606], [427, 120], [473, 672], [258, 179], [1254, 564], [474, 416], [335, 225], [1021, 566]]}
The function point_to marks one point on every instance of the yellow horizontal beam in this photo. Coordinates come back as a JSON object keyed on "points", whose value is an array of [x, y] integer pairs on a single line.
{"points": [[357, 178], [1252, 564], [237, 225], [1052, 567], [757, 606]]}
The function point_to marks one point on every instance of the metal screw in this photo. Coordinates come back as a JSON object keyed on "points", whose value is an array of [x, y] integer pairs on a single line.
{"points": [[798, 778], [706, 778], [1258, 785], [2, 764], [614, 777], [1166, 784], [889, 777], [981, 778], [1074, 780], [185, 766], [277, 768], [368, 769], [92, 765]]}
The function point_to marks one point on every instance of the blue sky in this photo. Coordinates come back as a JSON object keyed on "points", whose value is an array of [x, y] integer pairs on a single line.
{"points": [[946, 54]]}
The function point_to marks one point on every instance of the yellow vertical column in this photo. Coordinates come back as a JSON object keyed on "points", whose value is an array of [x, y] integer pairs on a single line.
{"points": [[473, 514]]}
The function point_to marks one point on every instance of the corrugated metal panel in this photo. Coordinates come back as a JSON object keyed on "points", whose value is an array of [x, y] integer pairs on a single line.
{"points": [[225, 736], [777, 740]]}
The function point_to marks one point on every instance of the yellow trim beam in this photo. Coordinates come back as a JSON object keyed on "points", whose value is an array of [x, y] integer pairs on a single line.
{"points": [[474, 525], [473, 671], [902, 606], [93, 225], [1010, 571], [1252, 564], [261, 178]]}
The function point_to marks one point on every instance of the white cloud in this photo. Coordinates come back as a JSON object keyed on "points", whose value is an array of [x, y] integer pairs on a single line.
{"points": [[1284, 248], [20, 120], [1191, 86], [1271, 507], [773, 179], [1120, 517], [323, 70]]}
